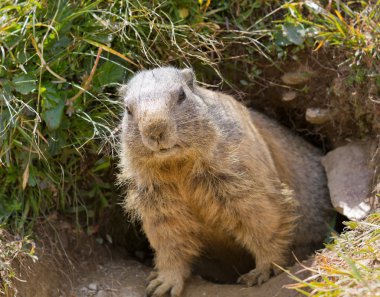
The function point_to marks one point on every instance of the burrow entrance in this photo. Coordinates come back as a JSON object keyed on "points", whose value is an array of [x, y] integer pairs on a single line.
{"points": [[114, 258]]}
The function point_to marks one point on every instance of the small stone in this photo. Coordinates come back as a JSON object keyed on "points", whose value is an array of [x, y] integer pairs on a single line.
{"points": [[102, 293], [349, 175], [84, 290], [289, 96], [297, 78], [317, 115], [93, 286]]}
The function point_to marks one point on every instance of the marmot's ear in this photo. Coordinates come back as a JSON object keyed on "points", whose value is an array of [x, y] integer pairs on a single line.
{"points": [[188, 76], [122, 91]]}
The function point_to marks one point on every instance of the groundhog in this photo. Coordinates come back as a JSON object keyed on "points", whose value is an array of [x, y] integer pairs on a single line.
{"points": [[201, 167]]}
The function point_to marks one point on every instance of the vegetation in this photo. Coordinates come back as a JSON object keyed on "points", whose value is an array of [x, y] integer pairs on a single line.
{"points": [[349, 266], [60, 64], [62, 61], [12, 249]]}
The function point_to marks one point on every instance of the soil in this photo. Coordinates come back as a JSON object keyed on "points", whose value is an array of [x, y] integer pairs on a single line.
{"points": [[73, 264], [322, 80]]}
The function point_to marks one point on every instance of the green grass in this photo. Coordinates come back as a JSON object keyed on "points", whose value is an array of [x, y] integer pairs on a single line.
{"points": [[352, 26], [61, 62], [59, 68], [349, 266], [12, 250]]}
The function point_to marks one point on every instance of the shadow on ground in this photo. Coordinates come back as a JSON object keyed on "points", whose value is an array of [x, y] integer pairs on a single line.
{"points": [[72, 264]]}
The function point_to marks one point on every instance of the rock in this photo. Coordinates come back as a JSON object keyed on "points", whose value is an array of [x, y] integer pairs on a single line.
{"points": [[289, 96], [317, 115], [84, 290], [349, 175], [298, 77], [102, 293], [93, 286]]}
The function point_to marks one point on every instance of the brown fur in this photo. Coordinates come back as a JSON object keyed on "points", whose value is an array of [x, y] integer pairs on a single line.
{"points": [[201, 168]]}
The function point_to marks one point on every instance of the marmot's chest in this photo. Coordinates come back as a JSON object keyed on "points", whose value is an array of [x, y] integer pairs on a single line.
{"points": [[202, 202]]}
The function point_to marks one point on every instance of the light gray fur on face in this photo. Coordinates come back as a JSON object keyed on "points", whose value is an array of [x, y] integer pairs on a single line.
{"points": [[159, 84], [161, 110]]}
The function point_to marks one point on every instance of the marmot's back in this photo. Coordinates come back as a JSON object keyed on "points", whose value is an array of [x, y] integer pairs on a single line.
{"points": [[300, 164]]}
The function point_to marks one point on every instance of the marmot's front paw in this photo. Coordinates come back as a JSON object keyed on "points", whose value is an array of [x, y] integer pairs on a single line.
{"points": [[162, 283], [255, 276]]}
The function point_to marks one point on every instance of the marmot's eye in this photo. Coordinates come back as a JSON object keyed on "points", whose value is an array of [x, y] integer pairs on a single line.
{"points": [[181, 96], [128, 110]]}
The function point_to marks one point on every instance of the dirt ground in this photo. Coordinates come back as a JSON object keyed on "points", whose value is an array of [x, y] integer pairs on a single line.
{"points": [[121, 276], [72, 264], [126, 278]]}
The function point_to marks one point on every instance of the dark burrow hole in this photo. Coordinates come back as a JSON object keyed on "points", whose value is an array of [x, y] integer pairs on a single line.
{"points": [[129, 236]]}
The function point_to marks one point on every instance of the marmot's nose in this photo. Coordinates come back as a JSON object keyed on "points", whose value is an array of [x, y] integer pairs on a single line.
{"points": [[156, 131]]}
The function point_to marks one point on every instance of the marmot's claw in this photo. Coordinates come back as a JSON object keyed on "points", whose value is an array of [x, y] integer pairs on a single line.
{"points": [[254, 277], [159, 285], [152, 276]]}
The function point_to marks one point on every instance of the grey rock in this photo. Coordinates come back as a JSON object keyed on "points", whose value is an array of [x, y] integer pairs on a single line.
{"points": [[299, 77], [349, 175], [289, 96], [84, 290], [93, 286], [317, 115], [102, 293]]}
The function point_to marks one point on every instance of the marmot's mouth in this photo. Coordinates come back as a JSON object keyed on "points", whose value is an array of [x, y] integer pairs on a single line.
{"points": [[168, 151]]}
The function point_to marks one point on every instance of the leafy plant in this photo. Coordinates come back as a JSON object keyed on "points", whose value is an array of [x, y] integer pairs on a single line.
{"points": [[353, 26], [61, 62], [348, 267], [11, 249]]}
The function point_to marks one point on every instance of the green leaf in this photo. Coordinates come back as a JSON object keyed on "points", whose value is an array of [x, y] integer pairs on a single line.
{"points": [[183, 12], [24, 83], [32, 179], [50, 96], [109, 73], [53, 116], [294, 33], [7, 208], [280, 39], [100, 37], [62, 43], [351, 224], [102, 164], [248, 13]]}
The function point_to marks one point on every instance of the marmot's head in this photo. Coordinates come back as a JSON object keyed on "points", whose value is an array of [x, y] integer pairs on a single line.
{"points": [[164, 117]]}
